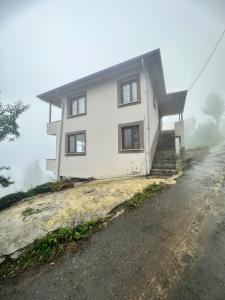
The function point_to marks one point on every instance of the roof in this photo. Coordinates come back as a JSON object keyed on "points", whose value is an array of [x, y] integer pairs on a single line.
{"points": [[154, 58], [173, 103], [153, 61]]}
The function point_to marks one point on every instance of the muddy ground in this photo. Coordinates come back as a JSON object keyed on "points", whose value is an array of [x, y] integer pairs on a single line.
{"points": [[172, 247]]}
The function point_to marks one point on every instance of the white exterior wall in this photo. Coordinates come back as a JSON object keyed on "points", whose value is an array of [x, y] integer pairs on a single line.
{"points": [[102, 157], [154, 119]]}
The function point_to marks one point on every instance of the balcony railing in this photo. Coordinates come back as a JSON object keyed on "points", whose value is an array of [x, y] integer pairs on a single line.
{"points": [[53, 127], [51, 165]]}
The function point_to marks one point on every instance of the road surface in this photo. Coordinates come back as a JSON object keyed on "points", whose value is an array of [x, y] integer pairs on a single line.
{"points": [[172, 247]]}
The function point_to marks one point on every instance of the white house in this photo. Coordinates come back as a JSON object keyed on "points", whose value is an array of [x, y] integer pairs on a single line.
{"points": [[111, 120]]}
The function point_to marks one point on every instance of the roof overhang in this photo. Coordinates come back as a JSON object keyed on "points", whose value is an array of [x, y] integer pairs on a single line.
{"points": [[169, 104], [151, 59], [173, 104]]}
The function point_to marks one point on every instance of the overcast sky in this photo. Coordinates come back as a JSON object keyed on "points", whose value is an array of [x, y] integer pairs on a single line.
{"points": [[44, 44]]}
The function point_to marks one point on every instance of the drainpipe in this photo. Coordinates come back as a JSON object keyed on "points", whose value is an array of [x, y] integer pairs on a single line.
{"points": [[147, 129], [60, 136]]}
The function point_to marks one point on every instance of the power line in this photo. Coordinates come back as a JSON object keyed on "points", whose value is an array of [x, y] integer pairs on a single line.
{"points": [[208, 60]]}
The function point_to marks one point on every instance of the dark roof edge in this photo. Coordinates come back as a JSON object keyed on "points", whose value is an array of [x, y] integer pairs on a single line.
{"points": [[116, 67]]}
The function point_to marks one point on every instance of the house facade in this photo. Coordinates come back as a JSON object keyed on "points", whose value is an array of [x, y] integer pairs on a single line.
{"points": [[111, 120]]}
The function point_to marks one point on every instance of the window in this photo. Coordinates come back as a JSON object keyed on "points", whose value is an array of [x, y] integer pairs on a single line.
{"points": [[76, 143], [77, 105], [131, 137], [129, 91]]}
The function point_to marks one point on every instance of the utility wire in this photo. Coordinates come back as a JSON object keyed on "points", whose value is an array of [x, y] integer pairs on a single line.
{"points": [[207, 62]]}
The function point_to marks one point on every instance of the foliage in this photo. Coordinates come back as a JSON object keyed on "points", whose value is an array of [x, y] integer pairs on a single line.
{"points": [[206, 134], [47, 247], [33, 175], [53, 244], [30, 211], [10, 199], [214, 107], [139, 197], [47, 187], [5, 181], [9, 129], [199, 148]]}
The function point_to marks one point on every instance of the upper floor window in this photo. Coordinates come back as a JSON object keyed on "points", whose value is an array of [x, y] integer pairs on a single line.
{"points": [[76, 143], [77, 105], [129, 91]]}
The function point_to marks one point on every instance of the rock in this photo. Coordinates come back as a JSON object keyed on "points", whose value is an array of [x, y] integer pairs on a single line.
{"points": [[2, 258], [88, 191], [15, 255]]}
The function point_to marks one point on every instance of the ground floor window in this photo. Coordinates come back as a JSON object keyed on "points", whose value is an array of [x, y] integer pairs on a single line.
{"points": [[131, 137], [76, 143]]}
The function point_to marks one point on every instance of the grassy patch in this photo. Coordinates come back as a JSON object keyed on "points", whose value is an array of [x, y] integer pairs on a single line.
{"points": [[30, 211], [200, 148], [53, 244], [139, 198], [47, 247]]}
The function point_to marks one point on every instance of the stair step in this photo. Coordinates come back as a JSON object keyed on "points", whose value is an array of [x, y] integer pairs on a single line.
{"points": [[160, 156], [162, 165], [163, 172]]}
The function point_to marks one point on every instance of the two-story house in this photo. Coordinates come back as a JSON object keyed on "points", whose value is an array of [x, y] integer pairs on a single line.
{"points": [[111, 121]]}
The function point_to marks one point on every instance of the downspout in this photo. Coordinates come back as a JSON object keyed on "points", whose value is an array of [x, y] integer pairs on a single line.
{"points": [[60, 136], [147, 129]]}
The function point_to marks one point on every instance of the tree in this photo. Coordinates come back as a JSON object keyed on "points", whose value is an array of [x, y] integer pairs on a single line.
{"points": [[215, 107], [9, 130], [206, 134], [33, 175]]}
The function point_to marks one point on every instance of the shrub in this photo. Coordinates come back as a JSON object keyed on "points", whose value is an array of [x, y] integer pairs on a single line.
{"points": [[10, 199], [46, 247]]}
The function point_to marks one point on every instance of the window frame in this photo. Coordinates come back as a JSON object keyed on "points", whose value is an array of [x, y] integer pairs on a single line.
{"points": [[124, 81], [67, 141], [70, 100], [121, 127]]}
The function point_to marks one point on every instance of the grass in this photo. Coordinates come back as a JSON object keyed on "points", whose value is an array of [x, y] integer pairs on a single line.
{"points": [[30, 211], [48, 247], [138, 198], [199, 148]]}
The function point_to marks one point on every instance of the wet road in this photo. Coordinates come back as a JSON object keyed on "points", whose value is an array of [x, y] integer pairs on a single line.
{"points": [[172, 247]]}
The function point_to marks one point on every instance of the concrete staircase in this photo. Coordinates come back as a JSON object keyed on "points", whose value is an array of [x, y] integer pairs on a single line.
{"points": [[164, 162]]}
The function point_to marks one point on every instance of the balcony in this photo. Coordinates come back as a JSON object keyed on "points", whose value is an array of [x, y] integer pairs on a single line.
{"points": [[51, 165], [53, 127]]}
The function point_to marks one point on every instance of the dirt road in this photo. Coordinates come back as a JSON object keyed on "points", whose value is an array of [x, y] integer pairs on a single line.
{"points": [[172, 247]]}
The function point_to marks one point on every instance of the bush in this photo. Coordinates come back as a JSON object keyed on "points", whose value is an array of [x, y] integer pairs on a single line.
{"points": [[47, 247], [47, 187], [10, 199]]}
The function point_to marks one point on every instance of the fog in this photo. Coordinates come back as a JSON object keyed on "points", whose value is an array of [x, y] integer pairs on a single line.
{"points": [[44, 44]]}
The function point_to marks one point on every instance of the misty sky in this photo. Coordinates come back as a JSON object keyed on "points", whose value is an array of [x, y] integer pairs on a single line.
{"points": [[44, 44]]}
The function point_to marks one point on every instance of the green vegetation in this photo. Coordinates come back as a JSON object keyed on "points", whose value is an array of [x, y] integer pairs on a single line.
{"points": [[13, 198], [210, 132], [53, 244], [9, 130], [139, 197], [48, 247], [30, 211], [199, 148]]}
